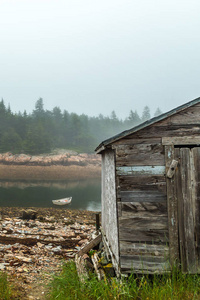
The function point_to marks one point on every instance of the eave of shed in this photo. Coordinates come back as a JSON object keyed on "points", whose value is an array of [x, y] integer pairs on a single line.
{"points": [[105, 144]]}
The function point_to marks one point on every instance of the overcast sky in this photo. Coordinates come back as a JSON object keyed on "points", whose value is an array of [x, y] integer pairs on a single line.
{"points": [[92, 57]]}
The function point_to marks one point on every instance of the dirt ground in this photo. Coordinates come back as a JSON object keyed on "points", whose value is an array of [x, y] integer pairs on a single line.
{"points": [[32, 277]]}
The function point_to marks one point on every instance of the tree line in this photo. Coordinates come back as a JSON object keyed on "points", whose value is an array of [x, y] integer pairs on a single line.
{"points": [[42, 130]]}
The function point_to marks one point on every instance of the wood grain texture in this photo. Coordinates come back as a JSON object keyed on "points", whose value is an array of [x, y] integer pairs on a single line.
{"points": [[127, 141], [109, 205], [144, 223], [197, 205], [128, 248], [144, 265], [142, 209], [172, 209], [185, 140], [141, 196], [172, 168], [143, 236], [189, 116], [140, 170], [140, 155], [143, 183], [179, 196], [159, 131], [187, 225]]}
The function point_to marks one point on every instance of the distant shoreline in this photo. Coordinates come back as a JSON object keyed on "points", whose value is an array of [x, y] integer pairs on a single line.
{"points": [[53, 172]]}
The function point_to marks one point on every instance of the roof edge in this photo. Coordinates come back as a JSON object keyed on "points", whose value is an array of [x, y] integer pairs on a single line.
{"points": [[102, 146]]}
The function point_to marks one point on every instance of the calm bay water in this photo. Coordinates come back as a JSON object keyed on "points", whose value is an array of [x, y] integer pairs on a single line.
{"points": [[86, 194]]}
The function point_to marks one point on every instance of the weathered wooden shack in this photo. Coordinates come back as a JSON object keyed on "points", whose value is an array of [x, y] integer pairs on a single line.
{"points": [[151, 193]]}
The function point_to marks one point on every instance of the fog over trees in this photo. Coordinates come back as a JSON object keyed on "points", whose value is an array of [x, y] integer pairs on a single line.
{"points": [[42, 130]]}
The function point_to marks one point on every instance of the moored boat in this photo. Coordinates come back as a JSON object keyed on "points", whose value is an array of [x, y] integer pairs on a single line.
{"points": [[62, 201]]}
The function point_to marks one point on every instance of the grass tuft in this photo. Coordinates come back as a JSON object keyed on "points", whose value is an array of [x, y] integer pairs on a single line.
{"points": [[150, 287], [5, 288]]}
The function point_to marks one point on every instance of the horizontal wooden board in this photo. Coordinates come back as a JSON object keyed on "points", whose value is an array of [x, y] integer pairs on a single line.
{"points": [[186, 140], [143, 223], [142, 209], [143, 236], [143, 265], [129, 249], [159, 131], [140, 170], [144, 182], [188, 116], [140, 155], [141, 196], [127, 141]]}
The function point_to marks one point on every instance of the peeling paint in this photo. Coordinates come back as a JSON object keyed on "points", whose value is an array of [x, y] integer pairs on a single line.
{"points": [[141, 170], [169, 154]]}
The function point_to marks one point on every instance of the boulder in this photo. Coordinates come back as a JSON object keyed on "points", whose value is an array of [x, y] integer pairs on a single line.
{"points": [[29, 214]]}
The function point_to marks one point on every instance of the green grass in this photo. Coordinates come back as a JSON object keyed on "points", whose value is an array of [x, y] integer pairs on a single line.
{"points": [[171, 286], [5, 288]]}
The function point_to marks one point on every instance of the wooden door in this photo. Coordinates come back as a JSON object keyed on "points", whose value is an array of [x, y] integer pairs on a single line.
{"points": [[187, 195]]}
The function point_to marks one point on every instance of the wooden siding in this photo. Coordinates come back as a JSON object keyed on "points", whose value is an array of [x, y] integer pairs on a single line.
{"points": [[142, 207], [109, 206], [144, 264], [187, 195], [140, 155], [150, 216]]}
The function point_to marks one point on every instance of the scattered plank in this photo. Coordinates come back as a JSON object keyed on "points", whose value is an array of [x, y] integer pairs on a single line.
{"points": [[91, 245], [99, 272]]}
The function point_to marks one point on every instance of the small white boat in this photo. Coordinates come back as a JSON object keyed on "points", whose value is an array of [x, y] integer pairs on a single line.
{"points": [[63, 201]]}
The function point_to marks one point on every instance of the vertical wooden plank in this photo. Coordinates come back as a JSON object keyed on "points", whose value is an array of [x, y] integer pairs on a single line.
{"points": [[188, 192], [197, 213], [193, 215], [109, 203], [179, 196], [172, 209]]}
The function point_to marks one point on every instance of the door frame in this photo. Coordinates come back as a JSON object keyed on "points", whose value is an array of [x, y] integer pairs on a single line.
{"points": [[172, 201]]}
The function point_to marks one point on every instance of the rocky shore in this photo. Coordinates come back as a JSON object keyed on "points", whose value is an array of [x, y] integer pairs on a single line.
{"points": [[61, 166], [67, 158], [31, 250]]}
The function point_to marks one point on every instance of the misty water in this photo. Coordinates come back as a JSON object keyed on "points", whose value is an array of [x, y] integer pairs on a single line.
{"points": [[86, 194]]}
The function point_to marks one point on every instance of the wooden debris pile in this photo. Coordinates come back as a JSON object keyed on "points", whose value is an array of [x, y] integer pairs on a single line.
{"points": [[93, 258]]}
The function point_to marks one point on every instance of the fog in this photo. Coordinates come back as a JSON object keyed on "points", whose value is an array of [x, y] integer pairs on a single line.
{"points": [[93, 57]]}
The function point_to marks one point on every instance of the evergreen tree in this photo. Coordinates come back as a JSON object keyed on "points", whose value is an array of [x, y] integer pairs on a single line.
{"points": [[146, 114], [39, 108], [134, 118], [113, 116], [43, 130], [11, 141], [157, 112], [37, 141]]}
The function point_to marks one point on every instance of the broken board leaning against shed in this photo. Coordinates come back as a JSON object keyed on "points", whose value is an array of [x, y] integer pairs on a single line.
{"points": [[151, 194]]}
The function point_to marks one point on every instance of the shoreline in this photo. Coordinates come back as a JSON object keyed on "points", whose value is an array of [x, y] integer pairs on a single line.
{"points": [[48, 173], [73, 215]]}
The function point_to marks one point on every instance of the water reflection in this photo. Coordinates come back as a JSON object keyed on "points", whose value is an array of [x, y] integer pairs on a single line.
{"points": [[85, 193]]}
